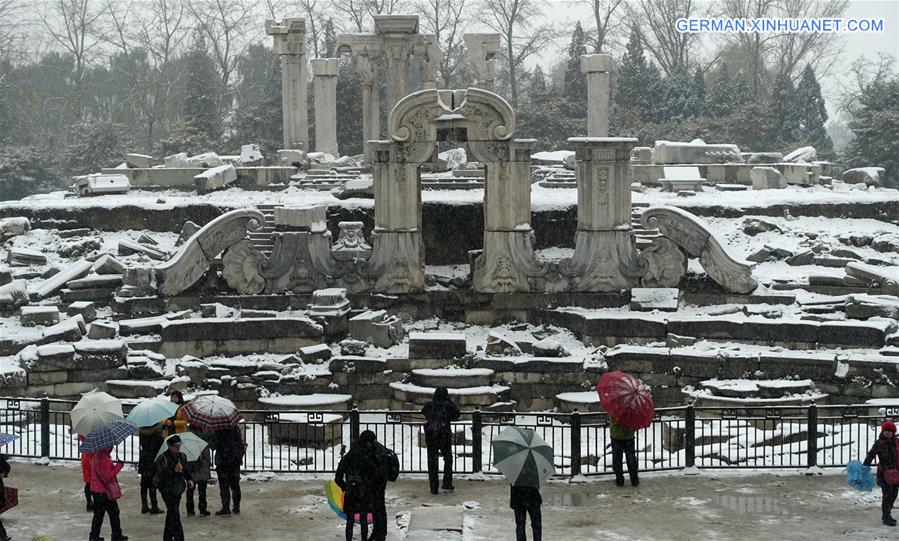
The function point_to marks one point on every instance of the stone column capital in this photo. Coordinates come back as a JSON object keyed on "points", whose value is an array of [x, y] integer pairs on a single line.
{"points": [[324, 67], [288, 36], [591, 63]]}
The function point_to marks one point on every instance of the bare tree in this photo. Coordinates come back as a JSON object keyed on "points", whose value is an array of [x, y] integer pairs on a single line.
{"points": [[753, 47], [12, 15], [605, 21], [796, 49], [355, 15], [74, 26], [312, 12], [862, 74], [445, 19], [517, 23], [673, 50], [230, 26]]}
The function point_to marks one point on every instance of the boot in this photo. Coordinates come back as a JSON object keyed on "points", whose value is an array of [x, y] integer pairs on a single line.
{"points": [[236, 510], [122, 538], [889, 521], [223, 512], [619, 481], [144, 508], [635, 481], [155, 510]]}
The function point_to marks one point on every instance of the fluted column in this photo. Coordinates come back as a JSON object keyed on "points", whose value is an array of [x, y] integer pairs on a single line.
{"points": [[324, 88], [289, 39]]}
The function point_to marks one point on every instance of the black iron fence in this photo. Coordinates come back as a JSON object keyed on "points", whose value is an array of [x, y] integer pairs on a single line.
{"points": [[678, 438]]}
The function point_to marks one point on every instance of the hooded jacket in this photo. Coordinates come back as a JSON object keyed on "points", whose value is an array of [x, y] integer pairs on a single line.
{"points": [[439, 413], [104, 472]]}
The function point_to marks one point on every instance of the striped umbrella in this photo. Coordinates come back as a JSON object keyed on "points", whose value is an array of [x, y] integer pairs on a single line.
{"points": [[211, 412], [7, 438], [93, 410], [523, 457], [105, 436]]}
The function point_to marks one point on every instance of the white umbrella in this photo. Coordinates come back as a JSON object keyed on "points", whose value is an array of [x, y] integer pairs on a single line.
{"points": [[191, 446], [93, 410]]}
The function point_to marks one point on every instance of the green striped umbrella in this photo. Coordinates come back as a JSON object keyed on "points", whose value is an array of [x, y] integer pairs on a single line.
{"points": [[523, 457]]}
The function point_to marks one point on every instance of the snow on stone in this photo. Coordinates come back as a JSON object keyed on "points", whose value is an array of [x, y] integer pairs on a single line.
{"points": [[306, 401]]}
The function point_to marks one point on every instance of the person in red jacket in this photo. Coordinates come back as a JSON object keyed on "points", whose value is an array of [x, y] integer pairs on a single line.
{"points": [[86, 460], [106, 490]]}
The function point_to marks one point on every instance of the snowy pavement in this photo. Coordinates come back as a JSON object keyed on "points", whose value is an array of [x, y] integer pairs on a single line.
{"points": [[709, 506]]}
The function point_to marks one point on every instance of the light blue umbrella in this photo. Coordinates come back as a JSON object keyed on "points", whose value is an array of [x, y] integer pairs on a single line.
{"points": [[7, 438], [149, 412]]}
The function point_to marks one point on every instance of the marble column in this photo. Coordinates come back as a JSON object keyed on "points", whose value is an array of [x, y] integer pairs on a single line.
{"points": [[324, 87], [289, 38], [596, 67], [605, 254], [397, 72], [371, 103], [482, 52], [509, 261]]}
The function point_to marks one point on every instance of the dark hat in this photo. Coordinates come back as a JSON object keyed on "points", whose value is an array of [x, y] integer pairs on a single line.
{"points": [[368, 437], [889, 425], [174, 440]]}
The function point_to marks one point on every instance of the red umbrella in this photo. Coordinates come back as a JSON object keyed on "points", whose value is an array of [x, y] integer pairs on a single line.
{"points": [[627, 400], [211, 412]]}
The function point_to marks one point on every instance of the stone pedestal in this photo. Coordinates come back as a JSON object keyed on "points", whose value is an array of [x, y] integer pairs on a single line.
{"points": [[324, 88], [289, 38], [605, 255], [596, 67]]}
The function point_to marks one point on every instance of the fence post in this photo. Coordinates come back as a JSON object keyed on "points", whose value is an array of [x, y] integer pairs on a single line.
{"points": [[575, 443], [812, 436], [690, 436], [477, 444], [354, 425], [45, 427]]}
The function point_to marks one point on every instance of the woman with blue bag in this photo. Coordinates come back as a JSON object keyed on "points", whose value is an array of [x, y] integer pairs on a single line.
{"points": [[886, 450]]}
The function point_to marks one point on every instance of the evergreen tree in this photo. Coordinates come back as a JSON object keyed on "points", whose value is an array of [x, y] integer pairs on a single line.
{"points": [[26, 170], [5, 110], [875, 123], [575, 88], [257, 118], [812, 113], [697, 94], [201, 86], [784, 110], [349, 109], [637, 80], [95, 145], [329, 39], [537, 86]]}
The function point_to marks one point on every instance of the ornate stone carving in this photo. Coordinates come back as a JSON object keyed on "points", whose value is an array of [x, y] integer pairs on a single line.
{"points": [[698, 241], [240, 268], [397, 262], [194, 257], [508, 263], [665, 263], [484, 116], [350, 243], [603, 261]]}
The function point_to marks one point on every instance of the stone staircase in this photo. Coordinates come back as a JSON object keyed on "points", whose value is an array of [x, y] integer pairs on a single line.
{"points": [[643, 236], [262, 239]]}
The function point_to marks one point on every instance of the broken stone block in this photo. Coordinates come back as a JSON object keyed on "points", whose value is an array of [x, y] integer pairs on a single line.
{"points": [[87, 309], [59, 280], [869, 176], [139, 161], [96, 281], [350, 347], [68, 330], [291, 157], [207, 160], [763, 157], [193, 368], [437, 345], [886, 243], [32, 316], [655, 298], [24, 257], [498, 344], [377, 328], [101, 184], [77, 249], [176, 161], [187, 231], [330, 302], [215, 178], [101, 354], [218, 310], [50, 358], [767, 178], [146, 238], [806, 257], [362, 188], [803, 154], [316, 354], [250, 155], [71, 233], [549, 347], [754, 226], [102, 330], [130, 247], [107, 264], [769, 253], [13, 227]]}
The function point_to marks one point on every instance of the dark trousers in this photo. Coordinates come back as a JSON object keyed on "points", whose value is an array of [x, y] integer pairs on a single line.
{"points": [[105, 506], [445, 450], [89, 496], [200, 488], [379, 510], [889, 498], [229, 488], [626, 448], [2, 531], [536, 522], [148, 491], [173, 530]]}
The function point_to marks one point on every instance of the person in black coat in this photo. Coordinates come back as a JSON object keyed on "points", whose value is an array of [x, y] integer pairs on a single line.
{"points": [[439, 415], [884, 449], [229, 452], [526, 501], [150, 439], [4, 473], [173, 479], [361, 477]]}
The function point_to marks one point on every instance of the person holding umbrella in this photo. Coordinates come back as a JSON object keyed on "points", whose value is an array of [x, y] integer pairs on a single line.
{"points": [[4, 473], [628, 401], [200, 472], [87, 460], [439, 415], [229, 452], [93, 410], [174, 478], [886, 450], [360, 475], [106, 492], [177, 423], [526, 460]]}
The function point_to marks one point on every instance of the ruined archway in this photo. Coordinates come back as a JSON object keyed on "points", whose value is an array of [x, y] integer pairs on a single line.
{"points": [[486, 122]]}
